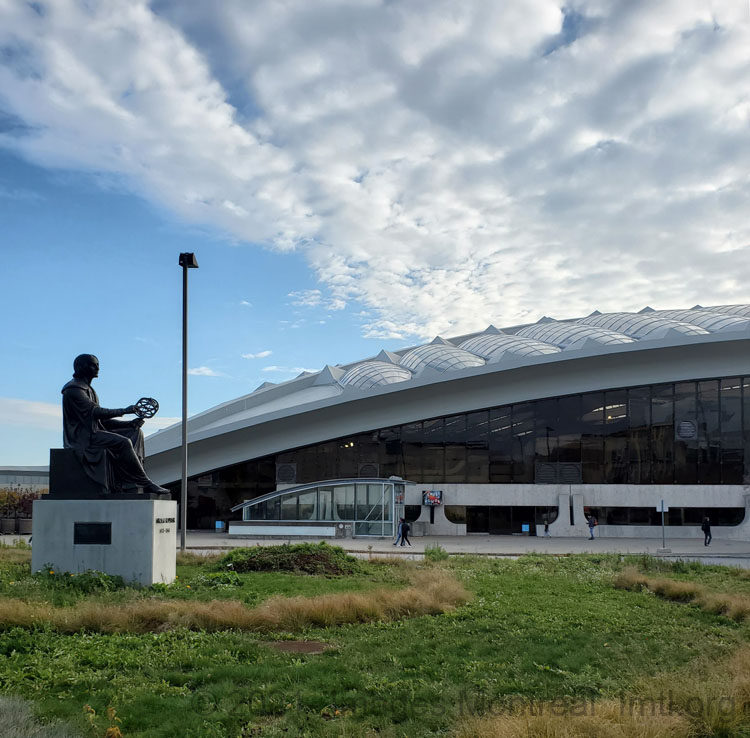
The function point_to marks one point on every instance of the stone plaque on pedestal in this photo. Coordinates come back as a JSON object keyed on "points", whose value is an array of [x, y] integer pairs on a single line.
{"points": [[132, 538]]}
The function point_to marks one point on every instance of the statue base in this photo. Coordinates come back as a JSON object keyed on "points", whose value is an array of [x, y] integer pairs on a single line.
{"points": [[132, 538]]}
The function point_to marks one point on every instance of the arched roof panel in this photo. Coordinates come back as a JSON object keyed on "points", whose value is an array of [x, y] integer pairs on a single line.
{"points": [[742, 311], [566, 334], [640, 325], [374, 373], [440, 357], [714, 322], [492, 346]]}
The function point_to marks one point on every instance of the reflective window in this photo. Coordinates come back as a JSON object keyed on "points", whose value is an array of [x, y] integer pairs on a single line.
{"points": [[693, 432]]}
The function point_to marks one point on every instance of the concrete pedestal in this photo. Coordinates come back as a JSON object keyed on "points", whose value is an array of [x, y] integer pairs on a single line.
{"points": [[134, 539]]}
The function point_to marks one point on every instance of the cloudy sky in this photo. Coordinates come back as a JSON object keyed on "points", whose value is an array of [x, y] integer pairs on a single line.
{"points": [[353, 175]]}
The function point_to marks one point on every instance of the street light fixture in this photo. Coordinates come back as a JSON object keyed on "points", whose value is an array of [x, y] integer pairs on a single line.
{"points": [[187, 261]]}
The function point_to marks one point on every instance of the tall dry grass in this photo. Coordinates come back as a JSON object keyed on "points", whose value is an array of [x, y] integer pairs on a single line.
{"points": [[432, 592], [13, 555], [733, 606], [190, 558]]}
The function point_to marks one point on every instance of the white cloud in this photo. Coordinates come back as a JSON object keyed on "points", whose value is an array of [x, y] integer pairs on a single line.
{"points": [[443, 164], [259, 355], [204, 371], [315, 298], [288, 369], [245, 303], [31, 414]]}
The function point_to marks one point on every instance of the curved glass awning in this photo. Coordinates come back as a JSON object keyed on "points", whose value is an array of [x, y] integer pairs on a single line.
{"points": [[368, 504]]}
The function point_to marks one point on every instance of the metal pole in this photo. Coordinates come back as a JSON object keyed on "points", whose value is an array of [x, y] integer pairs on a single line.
{"points": [[663, 541], [183, 491]]}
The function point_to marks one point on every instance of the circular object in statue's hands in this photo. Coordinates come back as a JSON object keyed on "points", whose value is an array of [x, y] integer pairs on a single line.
{"points": [[146, 407]]}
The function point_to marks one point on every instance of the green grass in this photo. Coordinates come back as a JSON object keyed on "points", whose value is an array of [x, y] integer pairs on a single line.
{"points": [[539, 627]]}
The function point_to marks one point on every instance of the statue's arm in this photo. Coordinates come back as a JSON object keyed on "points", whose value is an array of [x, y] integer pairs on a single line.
{"points": [[83, 405]]}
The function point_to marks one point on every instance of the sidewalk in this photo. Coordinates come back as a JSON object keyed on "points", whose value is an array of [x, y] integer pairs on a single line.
{"points": [[498, 545], [735, 553]]}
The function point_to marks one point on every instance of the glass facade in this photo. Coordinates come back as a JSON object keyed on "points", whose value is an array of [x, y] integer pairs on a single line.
{"points": [[369, 505], [695, 432]]}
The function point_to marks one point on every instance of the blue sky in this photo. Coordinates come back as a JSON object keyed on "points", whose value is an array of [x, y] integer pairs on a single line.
{"points": [[352, 176], [93, 268]]}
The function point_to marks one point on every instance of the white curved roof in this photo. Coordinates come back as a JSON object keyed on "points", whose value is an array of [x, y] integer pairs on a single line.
{"points": [[493, 346], [641, 325], [742, 310], [473, 371], [374, 373], [711, 320], [440, 357], [565, 334]]}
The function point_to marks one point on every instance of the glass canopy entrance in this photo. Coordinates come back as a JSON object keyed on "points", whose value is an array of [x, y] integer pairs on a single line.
{"points": [[370, 505]]}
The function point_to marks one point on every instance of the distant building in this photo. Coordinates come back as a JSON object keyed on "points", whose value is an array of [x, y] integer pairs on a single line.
{"points": [[35, 478], [607, 414]]}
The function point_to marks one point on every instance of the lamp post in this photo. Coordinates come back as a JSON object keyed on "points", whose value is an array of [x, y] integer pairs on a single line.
{"points": [[187, 261]]}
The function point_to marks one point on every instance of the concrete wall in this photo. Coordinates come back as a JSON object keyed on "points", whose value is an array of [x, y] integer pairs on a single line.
{"points": [[143, 546], [590, 495]]}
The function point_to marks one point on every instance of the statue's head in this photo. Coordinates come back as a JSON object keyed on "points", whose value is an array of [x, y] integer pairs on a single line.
{"points": [[86, 366]]}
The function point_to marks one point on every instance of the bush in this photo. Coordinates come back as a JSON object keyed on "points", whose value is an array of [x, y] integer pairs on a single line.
{"points": [[435, 552], [218, 580], [303, 558], [86, 583]]}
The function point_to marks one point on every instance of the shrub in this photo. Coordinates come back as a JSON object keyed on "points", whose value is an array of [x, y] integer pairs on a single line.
{"points": [[435, 552], [304, 558], [218, 580], [86, 583]]}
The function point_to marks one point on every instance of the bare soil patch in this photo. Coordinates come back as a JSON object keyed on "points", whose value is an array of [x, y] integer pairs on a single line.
{"points": [[312, 647]]}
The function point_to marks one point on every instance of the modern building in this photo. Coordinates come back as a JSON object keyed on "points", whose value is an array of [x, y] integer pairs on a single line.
{"points": [[33, 478], [506, 428]]}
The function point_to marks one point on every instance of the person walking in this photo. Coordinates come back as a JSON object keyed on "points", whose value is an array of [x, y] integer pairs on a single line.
{"points": [[592, 524], [546, 529], [399, 531], [405, 528], [706, 528]]}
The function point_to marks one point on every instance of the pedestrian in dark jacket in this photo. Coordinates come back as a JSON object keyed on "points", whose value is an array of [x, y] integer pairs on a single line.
{"points": [[706, 528], [405, 528], [592, 524], [399, 531]]}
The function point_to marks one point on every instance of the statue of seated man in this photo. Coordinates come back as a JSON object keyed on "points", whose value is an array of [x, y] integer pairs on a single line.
{"points": [[110, 451]]}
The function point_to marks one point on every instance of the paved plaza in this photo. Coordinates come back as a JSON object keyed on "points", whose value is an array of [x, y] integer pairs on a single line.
{"points": [[735, 553], [730, 552]]}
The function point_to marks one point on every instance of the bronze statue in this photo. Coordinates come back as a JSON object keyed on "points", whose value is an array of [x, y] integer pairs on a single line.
{"points": [[110, 451]]}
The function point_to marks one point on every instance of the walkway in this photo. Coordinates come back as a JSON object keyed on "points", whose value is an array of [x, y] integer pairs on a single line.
{"points": [[727, 552], [501, 545]]}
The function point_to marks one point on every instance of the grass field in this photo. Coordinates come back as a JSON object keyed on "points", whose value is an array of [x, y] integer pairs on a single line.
{"points": [[525, 635]]}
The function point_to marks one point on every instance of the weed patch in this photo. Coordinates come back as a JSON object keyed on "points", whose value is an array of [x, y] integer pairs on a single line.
{"points": [[435, 553], [303, 558]]}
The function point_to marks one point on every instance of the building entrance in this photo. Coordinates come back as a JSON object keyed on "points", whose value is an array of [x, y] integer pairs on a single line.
{"points": [[501, 519]]}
